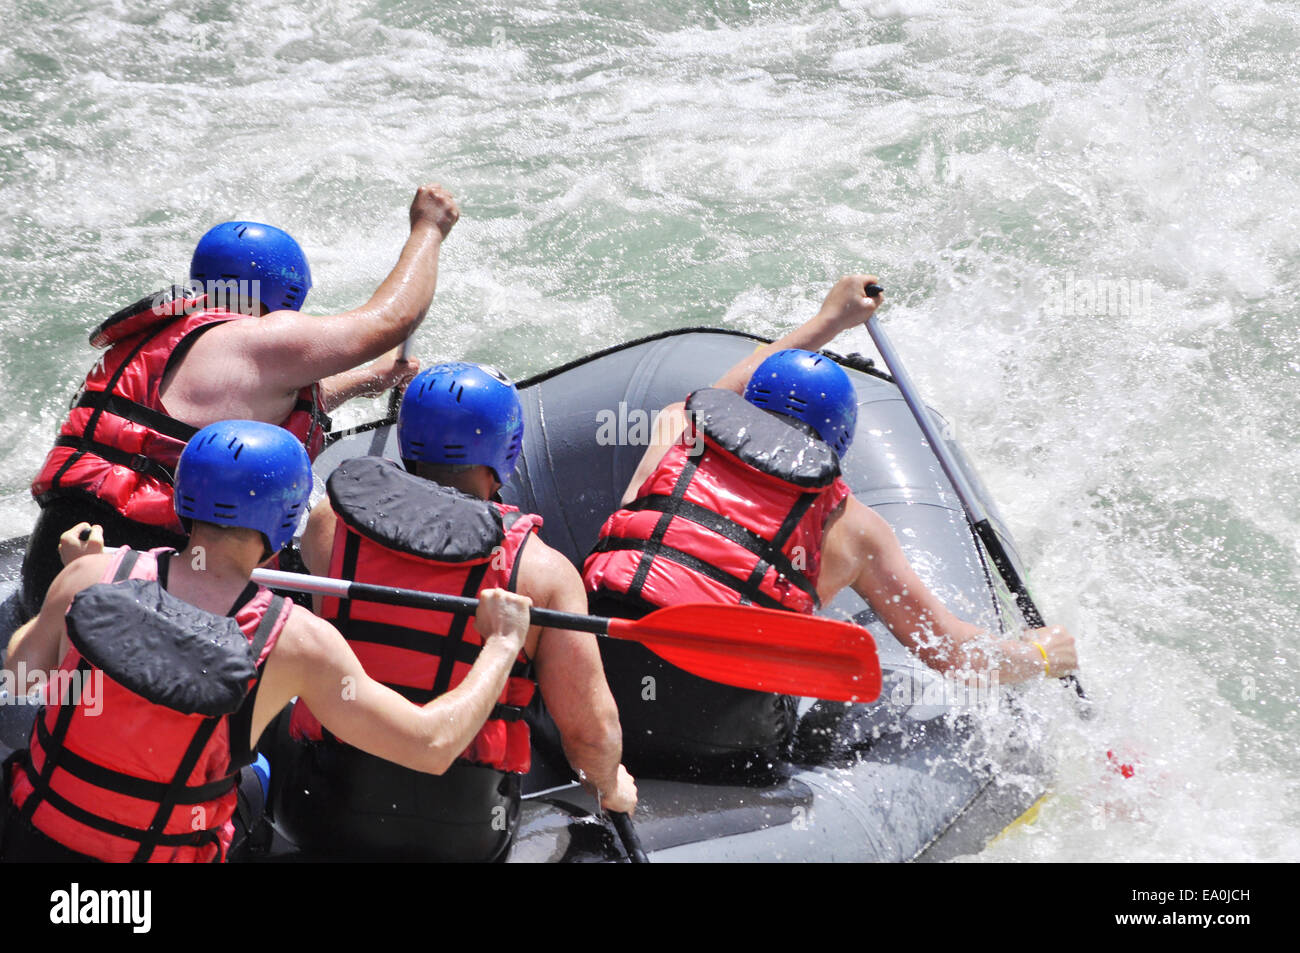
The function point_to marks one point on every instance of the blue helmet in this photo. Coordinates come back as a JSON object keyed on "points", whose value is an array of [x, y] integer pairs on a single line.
{"points": [[809, 387], [244, 473], [461, 413], [235, 252]]}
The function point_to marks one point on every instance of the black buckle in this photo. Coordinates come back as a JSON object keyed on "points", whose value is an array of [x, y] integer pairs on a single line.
{"points": [[503, 712], [139, 463]]}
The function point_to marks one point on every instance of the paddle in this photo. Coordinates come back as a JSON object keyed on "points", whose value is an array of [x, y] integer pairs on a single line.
{"points": [[627, 834], [975, 513], [379, 437], [395, 395], [766, 650]]}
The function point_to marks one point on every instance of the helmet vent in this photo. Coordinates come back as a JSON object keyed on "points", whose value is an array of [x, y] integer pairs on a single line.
{"points": [[240, 230], [245, 473], [461, 414]]}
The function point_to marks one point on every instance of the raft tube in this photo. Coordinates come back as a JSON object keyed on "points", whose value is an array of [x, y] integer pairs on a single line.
{"points": [[907, 778]]}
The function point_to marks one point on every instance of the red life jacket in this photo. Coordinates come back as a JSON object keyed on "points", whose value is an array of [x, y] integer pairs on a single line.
{"points": [[147, 772], [119, 444], [735, 513], [396, 529]]}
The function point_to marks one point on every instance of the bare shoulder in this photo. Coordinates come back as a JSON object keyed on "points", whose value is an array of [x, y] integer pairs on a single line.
{"points": [[272, 332], [855, 520], [79, 574], [38, 641], [318, 536], [546, 576], [270, 355], [855, 535], [307, 638], [668, 426]]}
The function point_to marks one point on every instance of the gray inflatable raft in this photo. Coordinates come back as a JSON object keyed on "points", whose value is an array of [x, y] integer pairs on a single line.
{"points": [[911, 777]]}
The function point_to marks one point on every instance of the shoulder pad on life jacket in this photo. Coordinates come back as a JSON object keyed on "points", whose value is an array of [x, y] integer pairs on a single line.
{"points": [[162, 648], [164, 305], [771, 443], [406, 513]]}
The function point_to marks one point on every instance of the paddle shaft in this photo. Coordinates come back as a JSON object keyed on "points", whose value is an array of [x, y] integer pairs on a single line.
{"points": [[627, 834], [395, 396], [413, 598], [974, 509], [743, 646]]}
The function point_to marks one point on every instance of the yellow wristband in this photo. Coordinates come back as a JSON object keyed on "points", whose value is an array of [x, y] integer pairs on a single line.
{"points": [[1047, 669]]}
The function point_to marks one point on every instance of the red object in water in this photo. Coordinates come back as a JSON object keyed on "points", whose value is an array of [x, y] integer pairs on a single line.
{"points": [[1125, 770]]}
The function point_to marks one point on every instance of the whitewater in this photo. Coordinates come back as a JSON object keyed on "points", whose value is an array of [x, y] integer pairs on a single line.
{"points": [[1086, 216]]}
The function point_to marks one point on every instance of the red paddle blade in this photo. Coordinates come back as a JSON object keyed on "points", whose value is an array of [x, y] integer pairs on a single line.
{"points": [[764, 649]]}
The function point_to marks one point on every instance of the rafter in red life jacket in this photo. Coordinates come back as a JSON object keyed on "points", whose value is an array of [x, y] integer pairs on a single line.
{"points": [[150, 775], [118, 443], [397, 529], [739, 519]]}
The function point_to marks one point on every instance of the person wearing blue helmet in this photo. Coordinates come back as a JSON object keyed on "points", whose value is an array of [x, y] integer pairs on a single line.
{"points": [[435, 524], [739, 499], [232, 342], [186, 663]]}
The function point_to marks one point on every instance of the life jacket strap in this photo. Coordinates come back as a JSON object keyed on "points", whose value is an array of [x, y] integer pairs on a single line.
{"points": [[137, 413], [769, 552], [88, 435], [139, 462]]}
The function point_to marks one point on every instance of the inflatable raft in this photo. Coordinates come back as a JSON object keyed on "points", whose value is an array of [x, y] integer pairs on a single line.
{"points": [[917, 775]]}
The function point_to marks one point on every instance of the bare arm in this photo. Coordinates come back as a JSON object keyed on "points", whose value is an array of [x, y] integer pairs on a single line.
{"points": [[668, 428], [572, 680], [40, 643], [846, 306], [861, 550], [391, 370], [251, 367], [317, 543], [313, 661]]}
